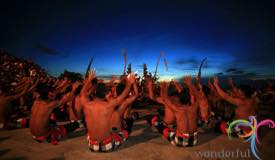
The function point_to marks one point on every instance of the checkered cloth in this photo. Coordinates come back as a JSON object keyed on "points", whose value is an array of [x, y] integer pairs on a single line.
{"points": [[53, 136], [110, 143], [180, 139], [174, 137]]}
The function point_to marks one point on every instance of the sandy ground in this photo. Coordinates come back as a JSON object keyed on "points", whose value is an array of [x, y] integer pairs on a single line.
{"points": [[144, 143]]}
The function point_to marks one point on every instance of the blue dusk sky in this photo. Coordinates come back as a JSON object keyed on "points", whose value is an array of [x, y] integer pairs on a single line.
{"points": [[237, 37]]}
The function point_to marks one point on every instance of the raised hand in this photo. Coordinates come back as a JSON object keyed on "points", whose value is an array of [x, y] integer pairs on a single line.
{"points": [[76, 85], [130, 79], [216, 81], [163, 90], [187, 80], [91, 74], [136, 88], [209, 82], [197, 78]]}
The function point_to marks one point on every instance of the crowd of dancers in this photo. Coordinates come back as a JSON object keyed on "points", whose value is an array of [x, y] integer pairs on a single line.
{"points": [[29, 97]]}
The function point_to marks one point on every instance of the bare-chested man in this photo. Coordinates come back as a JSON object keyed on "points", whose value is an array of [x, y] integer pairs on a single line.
{"points": [[169, 118], [245, 102], [98, 114], [6, 100], [74, 106], [121, 120], [213, 97], [184, 108], [41, 126], [201, 99], [20, 117]]}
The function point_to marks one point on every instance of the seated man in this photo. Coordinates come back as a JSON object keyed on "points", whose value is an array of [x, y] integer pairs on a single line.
{"points": [[6, 100], [98, 114], [185, 110], [41, 125], [20, 116], [75, 108], [243, 99], [121, 124], [200, 99], [169, 118]]}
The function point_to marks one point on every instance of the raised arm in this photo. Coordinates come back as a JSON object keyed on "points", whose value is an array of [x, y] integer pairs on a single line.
{"points": [[177, 85], [20, 93], [166, 100], [133, 97], [66, 98], [87, 84], [193, 91], [211, 87], [33, 86], [129, 81], [20, 86], [129, 100], [224, 95], [163, 90], [63, 85], [149, 85], [234, 89], [56, 83]]}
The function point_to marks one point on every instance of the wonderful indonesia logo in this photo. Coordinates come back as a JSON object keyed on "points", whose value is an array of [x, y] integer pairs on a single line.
{"points": [[252, 134]]}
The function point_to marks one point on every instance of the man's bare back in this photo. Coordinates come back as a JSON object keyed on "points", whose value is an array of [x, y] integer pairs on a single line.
{"points": [[98, 112], [245, 107], [42, 109]]}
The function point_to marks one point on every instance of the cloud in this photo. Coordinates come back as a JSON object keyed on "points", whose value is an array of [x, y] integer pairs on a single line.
{"points": [[230, 70], [234, 71], [47, 50], [191, 63], [237, 73], [219, 74]]}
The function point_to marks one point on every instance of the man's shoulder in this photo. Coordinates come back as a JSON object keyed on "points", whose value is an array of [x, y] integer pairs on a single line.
{"points": [[95, 103]]}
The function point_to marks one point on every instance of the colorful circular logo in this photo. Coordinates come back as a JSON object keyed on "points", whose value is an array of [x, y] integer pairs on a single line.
{"points": [[248, 130]]}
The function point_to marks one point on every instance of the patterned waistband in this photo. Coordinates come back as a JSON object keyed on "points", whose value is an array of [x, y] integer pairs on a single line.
{"points": [[55, 134], [111, 142], [182, 139], [186, 135], [41, 138]]}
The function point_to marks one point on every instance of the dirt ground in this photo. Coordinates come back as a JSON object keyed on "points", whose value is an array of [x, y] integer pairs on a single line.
{"points": [[144, 143]]}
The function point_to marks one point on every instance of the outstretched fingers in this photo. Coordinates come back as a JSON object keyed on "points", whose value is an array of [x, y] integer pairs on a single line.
{"points": [[187, 79]]}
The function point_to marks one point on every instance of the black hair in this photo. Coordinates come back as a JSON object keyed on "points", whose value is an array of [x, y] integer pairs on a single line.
{"points": [[101, 90], [206, 90], [172, 90], [248, 90], [120, 88], [43, 90], [67, 90], [185, 97], [94, 81], [78, 89]]}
